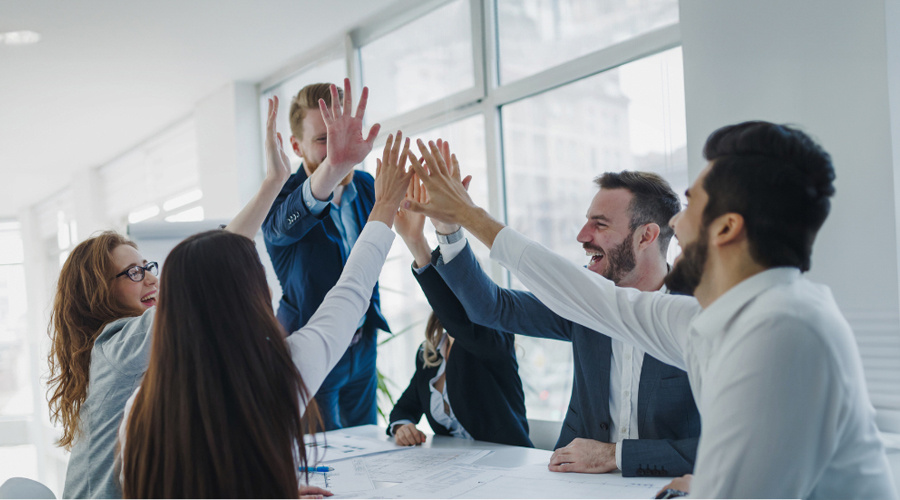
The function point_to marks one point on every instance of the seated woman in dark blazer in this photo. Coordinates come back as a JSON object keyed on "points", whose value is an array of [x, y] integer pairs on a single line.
{"points": [[466, 381]]}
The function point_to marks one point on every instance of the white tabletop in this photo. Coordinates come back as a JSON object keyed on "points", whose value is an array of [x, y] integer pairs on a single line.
{"points": [[447, 467]]}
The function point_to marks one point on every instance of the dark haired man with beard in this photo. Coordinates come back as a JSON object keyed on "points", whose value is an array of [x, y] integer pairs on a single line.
{"points": [[628, 411], [773, 363]]}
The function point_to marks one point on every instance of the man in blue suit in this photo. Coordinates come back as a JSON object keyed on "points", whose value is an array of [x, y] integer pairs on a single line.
{"points": [[310, 231], [628, 411]]}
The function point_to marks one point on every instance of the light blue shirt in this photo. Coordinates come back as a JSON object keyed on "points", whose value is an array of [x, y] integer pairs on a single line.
{"points": [[342, 215]]}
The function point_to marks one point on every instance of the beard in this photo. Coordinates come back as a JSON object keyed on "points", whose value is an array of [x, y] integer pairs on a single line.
{"points": [[311, 167], [620, 259], [688, 270]]}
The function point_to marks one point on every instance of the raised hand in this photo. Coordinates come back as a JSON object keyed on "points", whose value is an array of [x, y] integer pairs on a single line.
{"points": [[346, 146], [278, 167], [449, 160], [248, 221], [448, 200], [391, 180], [411, 225]]}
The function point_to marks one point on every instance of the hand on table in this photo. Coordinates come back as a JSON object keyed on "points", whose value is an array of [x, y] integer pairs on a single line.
{"points": [[584, 455], [408, 435], [314, 492]]}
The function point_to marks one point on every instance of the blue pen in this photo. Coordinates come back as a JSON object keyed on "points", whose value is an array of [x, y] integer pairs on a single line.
{"points": [[315, 469]]}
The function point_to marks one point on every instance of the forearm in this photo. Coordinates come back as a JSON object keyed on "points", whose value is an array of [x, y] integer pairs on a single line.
{"points": [[325, 179], [480, 224], [419, 248], [248, 221], [383, 212]]}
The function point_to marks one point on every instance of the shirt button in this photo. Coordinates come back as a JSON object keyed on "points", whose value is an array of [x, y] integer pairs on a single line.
{"points": [[627, 394], [628, 356], [624, 431]]}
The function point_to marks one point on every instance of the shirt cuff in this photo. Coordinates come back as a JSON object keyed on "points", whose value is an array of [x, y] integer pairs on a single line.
{"points": [[420, 270], [315, 206], [619, 455], [398, 422], [451, 250]]}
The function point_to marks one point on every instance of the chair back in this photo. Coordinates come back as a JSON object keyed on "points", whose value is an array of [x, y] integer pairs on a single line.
{"points": [[544, 433], [21, 487]]}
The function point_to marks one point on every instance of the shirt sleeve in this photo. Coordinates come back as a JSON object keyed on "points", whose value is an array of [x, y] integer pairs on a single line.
{"points": [[315, 206], [655, 322], [317, 346]]}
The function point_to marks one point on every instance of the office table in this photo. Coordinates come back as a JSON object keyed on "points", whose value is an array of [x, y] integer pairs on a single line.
{"points": [[446, 467]]}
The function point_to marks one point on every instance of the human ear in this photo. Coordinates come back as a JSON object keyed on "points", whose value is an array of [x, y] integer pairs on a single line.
{"points": [[648, 235], [727, 229], [295, 145]]}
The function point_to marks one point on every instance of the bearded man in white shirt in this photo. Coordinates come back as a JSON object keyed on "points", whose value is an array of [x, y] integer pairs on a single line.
{"points": [[771, 360]]}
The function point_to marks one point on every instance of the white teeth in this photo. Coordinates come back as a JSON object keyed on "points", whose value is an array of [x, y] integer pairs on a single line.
{"points": [[148, 297]]}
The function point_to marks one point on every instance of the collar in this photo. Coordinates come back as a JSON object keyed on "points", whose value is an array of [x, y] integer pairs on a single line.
{"points": [[348, 195], [713, 320]]}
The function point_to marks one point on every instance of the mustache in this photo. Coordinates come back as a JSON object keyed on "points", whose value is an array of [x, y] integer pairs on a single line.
{"points": [[593, 248]]}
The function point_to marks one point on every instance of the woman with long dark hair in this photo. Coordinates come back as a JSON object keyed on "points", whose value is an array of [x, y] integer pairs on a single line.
{"points": [[226, 400]]}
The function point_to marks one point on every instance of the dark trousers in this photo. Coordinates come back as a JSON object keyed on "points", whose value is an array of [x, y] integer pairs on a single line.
{"points": [[347, 396]]}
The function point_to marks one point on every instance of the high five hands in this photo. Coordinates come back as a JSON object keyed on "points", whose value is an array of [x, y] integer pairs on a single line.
{"points": [[346, 146]]}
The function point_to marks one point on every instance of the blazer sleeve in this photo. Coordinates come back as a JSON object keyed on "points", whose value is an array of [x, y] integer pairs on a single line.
{"points": [[495, 307], [289, 219], [409, 406], [485, 343], [671, 457]]}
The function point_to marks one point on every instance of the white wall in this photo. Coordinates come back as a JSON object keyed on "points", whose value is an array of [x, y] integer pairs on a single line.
{"points": [[821, 65]]}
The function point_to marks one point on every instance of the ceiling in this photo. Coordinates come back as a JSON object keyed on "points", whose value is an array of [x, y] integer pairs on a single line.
{"points": [[108, 74]]}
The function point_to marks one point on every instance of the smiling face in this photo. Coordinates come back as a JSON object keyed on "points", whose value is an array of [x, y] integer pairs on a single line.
{"points": [[129, 294], [607, 236]]}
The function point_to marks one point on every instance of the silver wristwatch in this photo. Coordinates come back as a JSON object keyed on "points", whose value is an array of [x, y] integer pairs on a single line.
{"points": [[446, 239]]}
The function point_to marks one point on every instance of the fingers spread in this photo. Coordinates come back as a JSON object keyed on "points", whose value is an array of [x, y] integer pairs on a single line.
{"points": [[373, 133], [335, 103]]}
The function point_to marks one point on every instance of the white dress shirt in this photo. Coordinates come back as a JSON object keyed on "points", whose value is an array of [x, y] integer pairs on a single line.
{"points": [[772, 363], [626, 363]]}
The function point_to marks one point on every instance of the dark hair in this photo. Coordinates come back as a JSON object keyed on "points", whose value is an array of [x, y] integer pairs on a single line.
{"points": [[218, 414], [653, 200], [308, 100], [779, 180]]}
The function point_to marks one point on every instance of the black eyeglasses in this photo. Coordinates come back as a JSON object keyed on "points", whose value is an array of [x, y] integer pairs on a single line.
{"points": [[136, 273]]}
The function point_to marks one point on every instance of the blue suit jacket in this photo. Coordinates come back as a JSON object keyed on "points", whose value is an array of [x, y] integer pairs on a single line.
{"points": [[482, 375], [307, 252], [668, 421]]}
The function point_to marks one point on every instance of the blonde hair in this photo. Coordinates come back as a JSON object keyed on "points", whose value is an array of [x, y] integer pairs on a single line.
{"points": [[308, 99], [83, 305], [434, 331]]}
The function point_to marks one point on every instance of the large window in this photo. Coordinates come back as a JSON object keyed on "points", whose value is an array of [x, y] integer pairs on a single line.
{"points": [[537, 97]]}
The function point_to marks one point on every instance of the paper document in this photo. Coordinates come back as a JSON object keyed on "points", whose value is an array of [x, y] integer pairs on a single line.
{"points": [[341, 446], [347, 477]]}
